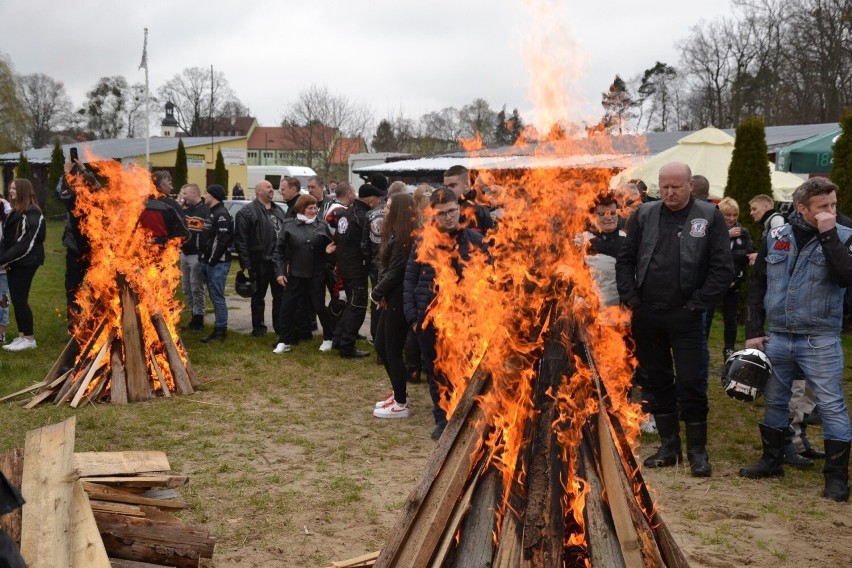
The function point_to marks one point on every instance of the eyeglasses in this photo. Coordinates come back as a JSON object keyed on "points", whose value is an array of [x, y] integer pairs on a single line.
{"points": [[447, 213]]}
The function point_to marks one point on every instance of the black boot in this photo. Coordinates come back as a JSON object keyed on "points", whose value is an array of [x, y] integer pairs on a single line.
{"points": [[195, 324], [696, 449], [219, 334], [810, 451], [791, 455], [669, 452], [836, 470], [771, 463]]}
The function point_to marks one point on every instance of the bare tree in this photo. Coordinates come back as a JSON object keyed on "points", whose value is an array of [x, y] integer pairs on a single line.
{"points": [[47, 104], [705, 55], [106, 107], [201, 96], [444, 125], [478, 117], [317, 118]]}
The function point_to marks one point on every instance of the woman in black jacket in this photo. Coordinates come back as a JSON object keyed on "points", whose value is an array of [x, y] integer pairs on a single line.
{"points": [[22, 254], [300, 260], [742, 247], [399, 224]]}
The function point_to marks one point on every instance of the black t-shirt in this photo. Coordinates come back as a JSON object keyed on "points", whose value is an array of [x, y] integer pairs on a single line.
{"points": [[661, 288]]}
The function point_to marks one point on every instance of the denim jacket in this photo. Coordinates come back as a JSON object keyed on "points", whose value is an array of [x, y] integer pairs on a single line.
{"points": [[803, 295]]}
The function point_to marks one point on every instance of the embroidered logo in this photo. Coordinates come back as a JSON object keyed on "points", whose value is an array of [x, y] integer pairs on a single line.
{"points": [[698, 228], [782, 245], [342, 225]]}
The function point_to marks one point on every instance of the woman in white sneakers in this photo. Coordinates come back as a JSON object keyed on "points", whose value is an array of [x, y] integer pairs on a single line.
{"points": [[22, 254], [399, 224]]}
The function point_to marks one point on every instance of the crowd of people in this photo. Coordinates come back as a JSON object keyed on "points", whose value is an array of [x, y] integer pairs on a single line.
{"points": [[329, 256]]}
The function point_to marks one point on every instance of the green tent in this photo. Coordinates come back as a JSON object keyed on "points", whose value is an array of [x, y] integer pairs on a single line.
{"points": [[810, 156]]}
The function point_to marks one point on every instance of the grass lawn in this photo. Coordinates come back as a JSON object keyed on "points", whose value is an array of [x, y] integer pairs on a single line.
{"points": [[286, 461]]}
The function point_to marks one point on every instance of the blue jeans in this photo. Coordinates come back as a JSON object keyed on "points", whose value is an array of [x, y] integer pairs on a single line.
{"points": [[215, 276], [820, 359], [4, 299]]}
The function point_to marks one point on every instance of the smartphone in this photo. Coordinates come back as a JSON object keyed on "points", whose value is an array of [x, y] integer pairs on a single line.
{"points": [[73, 155]]}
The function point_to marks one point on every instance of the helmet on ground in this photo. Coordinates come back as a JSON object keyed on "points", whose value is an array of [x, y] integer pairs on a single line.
{"points": [[745, 374], [245, 286]]}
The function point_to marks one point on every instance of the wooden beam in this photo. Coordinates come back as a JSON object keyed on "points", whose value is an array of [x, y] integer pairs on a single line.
{"points": [[47, 488], [138, 384], [88, 464], [176, 364], [88, 548], [141, 480], [118, 379], [105, 493], [476, 537], [23, 390], [12, 466], [602, 540], [96, 364]]}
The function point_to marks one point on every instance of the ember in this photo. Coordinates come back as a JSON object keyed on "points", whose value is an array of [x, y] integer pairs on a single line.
{"points": [[124, 345]]}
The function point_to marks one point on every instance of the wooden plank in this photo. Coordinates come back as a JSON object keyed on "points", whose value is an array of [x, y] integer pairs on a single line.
{"points": [[89, 464], [193, 378], [96, 364], [141, 480], [38, 399], [164, 386], [47, 487], [105, 493], [121, 563], [476, 537], [358, 562], [455, 521], [603, 548], [118, 379], [88, 548], [183, 385], [23, 390], [66, 357], [117, 508], [138, 384], [12, 466]]}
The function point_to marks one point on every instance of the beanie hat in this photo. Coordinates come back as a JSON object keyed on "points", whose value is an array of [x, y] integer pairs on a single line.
{"points": [[368, 190], [217, 191], [380, 182]]}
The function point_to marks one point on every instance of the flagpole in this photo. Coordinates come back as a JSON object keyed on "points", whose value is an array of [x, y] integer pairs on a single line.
{"points": [[147, 104]]}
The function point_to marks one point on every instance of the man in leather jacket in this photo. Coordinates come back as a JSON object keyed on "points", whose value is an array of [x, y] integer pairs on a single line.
{"points": [[257, 227], [675, 264]]}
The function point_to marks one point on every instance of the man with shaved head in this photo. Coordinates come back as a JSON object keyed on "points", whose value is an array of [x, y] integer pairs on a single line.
{"points": [[675, 264], [255, 237]]}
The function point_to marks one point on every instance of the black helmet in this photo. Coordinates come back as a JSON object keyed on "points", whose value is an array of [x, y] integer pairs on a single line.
{"points": [[244, 285], [745, 374]]}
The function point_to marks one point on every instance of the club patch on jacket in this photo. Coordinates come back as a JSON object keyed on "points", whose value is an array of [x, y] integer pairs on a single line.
{"points": [[698, 228]]}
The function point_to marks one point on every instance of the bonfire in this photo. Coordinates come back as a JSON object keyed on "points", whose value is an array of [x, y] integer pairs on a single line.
{"points": [[124, 345]]}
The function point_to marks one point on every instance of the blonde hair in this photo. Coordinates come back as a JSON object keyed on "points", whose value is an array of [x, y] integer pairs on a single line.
{"points": [[728, 204]]}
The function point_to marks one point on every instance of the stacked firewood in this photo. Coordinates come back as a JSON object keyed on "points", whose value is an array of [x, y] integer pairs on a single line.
{"points": [[98, 509]]}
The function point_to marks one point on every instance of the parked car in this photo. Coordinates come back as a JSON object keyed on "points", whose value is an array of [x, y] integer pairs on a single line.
{"points": [[233, 206]]}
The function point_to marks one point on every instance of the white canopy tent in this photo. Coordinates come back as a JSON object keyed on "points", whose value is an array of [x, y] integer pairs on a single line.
{"points": [[708, 152]]}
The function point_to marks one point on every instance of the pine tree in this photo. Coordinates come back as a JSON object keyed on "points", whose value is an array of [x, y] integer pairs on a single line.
{"points": [[618, 106], [54, 174], [502, 134], [220, 175], [384, 139], [748, 174], [23, 170], [515, 125], [841, 169], [181, 172]]}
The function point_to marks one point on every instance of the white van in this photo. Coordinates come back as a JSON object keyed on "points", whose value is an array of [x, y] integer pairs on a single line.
{"points": [[273, 175]]}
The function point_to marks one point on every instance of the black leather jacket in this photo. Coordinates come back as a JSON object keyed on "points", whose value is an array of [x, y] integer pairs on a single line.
{"points": [[255, 237], [391, 276], [23, 238], [300, 251], [350, 227], [217, 235]]}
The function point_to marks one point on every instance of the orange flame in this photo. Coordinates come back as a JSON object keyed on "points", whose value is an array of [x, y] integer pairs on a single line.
{"points": [[122, 250]]}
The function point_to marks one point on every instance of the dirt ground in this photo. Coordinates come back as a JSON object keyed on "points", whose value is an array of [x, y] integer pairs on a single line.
{"points": [[301, 473]]}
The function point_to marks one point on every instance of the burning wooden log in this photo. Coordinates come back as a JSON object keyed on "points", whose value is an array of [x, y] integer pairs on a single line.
{"points": [[449, 519]]}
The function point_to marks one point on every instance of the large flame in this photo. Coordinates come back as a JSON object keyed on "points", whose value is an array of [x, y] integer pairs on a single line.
{"points": [[490, 318], [122, 252]]}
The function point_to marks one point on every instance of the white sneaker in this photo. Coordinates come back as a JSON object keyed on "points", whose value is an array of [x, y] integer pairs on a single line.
{"points": [[326, 345], [394, 410], [281, 348], [388, 400], [21, 345], [13, 342], [649, 425]]}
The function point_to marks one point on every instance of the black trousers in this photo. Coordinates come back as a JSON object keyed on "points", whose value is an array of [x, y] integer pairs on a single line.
{"points": [[374, 316], [437, 382], [670, 347], [391, 333], [20, 282], [264, 276], [353, 314], [730, 301], [298, 292]]}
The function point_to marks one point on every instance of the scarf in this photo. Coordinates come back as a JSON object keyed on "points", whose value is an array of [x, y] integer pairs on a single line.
{"points": [[304, 219]]}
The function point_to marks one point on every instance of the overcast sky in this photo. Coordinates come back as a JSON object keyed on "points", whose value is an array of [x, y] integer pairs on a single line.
{"points": [[395, 56]]}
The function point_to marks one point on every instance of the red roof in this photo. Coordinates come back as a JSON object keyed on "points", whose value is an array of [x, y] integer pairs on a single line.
{"points": [[343, 147], [291, 138]]}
